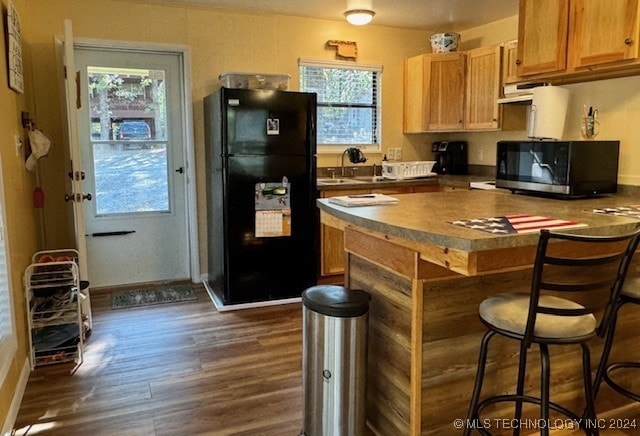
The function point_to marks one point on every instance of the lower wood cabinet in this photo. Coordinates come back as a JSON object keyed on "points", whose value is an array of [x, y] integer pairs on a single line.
{"points": [[332, 240]]}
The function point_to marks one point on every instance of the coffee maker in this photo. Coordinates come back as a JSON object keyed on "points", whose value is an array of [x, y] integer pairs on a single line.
{"points": [[451, 157]]}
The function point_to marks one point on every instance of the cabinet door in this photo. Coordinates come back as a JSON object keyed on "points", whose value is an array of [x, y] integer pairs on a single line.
{"points": [[604, 31], [414, 120], [445, 99], [483, 88], [510, 63], [542, 36], [332, 239]]}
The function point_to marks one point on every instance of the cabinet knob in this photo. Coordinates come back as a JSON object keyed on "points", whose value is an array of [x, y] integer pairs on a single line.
{"points": [[628, 41], [518, 61]]}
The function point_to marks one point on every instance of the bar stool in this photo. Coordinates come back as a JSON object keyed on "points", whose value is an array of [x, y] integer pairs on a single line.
{"points": [[544, 319], [630, 293]]}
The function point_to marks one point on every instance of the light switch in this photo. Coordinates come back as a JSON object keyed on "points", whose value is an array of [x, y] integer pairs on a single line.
{"points": [[399, 153]]}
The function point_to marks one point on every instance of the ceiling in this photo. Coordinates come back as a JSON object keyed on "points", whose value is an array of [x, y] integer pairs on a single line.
{"points": [[435, 15]]}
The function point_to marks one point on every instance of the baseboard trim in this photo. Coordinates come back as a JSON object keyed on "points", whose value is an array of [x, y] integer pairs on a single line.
{"points": [[221, 307], [7, 427]]}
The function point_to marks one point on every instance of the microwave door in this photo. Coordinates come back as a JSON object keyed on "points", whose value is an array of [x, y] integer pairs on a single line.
{"points": [[541, 172]]}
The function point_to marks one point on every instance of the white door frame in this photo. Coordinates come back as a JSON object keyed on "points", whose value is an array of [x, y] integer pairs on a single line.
{"points": [[184, 53]]}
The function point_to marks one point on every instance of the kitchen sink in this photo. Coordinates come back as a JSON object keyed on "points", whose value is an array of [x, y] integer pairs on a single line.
{"points": [[341, 181]]}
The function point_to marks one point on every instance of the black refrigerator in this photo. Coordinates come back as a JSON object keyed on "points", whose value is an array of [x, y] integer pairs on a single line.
{"points": [[261, 191]]}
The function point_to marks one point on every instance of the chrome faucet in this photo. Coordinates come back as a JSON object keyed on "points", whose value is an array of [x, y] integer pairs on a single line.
{"points": [[355, 156]]}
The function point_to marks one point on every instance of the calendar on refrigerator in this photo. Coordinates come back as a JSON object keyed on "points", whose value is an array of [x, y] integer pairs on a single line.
{"points": [[273, 209]]}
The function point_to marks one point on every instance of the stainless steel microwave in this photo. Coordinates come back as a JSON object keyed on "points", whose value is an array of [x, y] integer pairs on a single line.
{"points": [[563, 168]]}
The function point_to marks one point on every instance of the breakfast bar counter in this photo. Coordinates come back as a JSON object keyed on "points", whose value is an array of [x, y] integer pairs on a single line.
{"points": [[427, 277]]}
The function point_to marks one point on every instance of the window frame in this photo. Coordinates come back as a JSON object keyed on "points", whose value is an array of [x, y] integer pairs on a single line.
{"points": [[349, 65], [8, 343]]}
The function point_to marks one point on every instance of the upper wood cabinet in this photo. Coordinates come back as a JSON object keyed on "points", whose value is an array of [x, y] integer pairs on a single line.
{"points": [[434, 92], [564, 41], [542, 36], [445, 73], [602, 32], [482, 111], [449, 92], [510, 63], [414, 104]]}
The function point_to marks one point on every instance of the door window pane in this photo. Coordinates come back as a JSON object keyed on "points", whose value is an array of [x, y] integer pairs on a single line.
{"points": [[128, 131], [129, 181]]}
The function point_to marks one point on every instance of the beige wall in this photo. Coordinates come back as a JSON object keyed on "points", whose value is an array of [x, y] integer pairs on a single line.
{"points": [[219, 42], [18, 186]]}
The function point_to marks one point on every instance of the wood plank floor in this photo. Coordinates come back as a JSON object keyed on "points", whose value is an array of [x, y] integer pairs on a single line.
{"points": [[185, 369], [175, 369]]}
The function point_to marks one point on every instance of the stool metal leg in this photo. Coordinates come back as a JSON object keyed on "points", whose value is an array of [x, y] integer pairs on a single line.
{"points": [[608, 343], [544, 387], [522, 366], [590, 412], [616, 386], [482, 361]]}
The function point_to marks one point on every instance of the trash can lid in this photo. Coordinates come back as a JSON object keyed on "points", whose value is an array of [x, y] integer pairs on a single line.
{"points": [[336, 301]]}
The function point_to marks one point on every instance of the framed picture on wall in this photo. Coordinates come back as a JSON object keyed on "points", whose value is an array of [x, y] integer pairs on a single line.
{"points": [[14, 47]]}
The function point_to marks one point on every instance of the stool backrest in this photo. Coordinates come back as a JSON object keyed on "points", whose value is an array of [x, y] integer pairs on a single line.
{"points": [[589, 270]]}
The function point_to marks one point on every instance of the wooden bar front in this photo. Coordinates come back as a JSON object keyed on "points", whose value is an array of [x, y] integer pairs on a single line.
{"points": [[425, 333]]}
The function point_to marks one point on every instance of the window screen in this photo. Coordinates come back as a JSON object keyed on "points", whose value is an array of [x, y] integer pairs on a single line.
{"points": [[348, 101]]}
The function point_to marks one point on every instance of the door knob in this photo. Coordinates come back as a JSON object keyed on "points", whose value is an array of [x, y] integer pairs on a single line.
{"points": [[180, 170], [86, 197], [628, 41]]}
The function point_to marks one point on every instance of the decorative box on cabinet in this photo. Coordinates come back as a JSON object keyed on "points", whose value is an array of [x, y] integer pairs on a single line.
{"points": [[52, 293]]}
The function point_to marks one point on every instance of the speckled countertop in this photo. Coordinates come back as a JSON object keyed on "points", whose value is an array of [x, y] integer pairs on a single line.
{"points": [[426, 217], [448, 181]]}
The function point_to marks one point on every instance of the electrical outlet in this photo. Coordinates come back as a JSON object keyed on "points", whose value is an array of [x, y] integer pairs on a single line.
{"points": [[480, 155], [19, 145], [391, 153], [398, 153]]}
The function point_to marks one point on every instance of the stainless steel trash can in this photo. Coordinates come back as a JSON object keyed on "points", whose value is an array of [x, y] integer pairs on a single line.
{"points": [[334, 360]]}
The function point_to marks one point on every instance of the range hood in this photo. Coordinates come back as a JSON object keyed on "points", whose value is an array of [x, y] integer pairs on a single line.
{"points": [[519, 93]]}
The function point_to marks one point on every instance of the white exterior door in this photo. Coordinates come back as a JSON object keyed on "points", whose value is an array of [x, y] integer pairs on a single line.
{"points": [[131, 142], [74, 188]]}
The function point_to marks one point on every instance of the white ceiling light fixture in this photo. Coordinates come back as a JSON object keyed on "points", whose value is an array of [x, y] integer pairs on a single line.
{"points": [[359, 12]]}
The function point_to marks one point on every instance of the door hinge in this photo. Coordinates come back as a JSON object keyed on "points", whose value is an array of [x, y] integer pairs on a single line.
{"points": [[77, 175]]}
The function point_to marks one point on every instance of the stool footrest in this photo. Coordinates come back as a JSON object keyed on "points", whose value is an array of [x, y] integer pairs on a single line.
{"points": [[525, 399], [621, 365]]}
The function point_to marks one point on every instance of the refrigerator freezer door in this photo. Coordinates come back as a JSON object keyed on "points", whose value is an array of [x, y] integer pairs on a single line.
{"points": [[264, 268], [268, 122]]}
